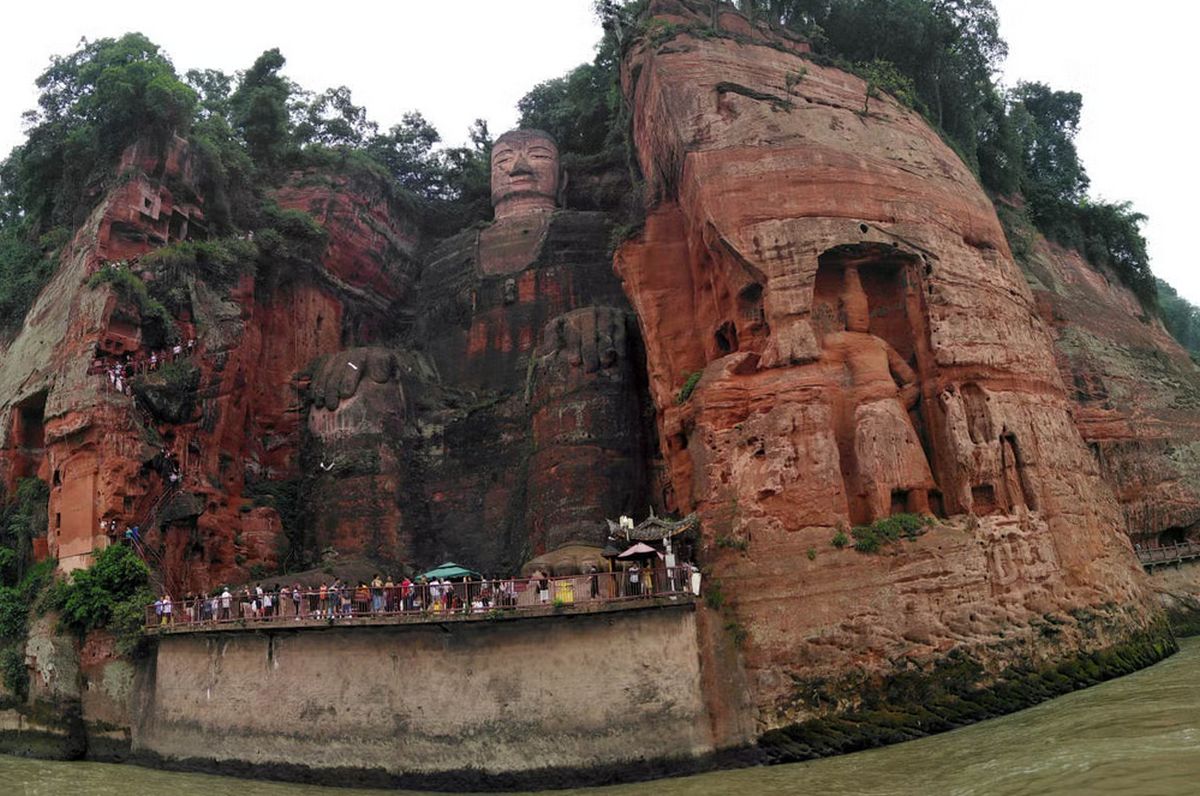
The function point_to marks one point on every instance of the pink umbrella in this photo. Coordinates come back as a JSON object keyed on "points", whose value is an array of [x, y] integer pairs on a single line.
{"points": [[639, 549]]}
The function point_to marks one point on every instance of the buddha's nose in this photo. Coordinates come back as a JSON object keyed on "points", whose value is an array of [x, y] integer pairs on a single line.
{"points": [[520, 166]]}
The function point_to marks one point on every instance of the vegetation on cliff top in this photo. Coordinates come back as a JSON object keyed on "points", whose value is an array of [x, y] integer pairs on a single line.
{"points": [[1181, 317], [939, 57], [251, 130], [248, 133]]}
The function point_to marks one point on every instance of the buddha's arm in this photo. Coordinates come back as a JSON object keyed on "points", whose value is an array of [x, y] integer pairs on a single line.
{"points": [[907, 378]]}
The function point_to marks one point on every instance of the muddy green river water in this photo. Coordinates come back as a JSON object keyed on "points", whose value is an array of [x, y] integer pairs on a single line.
{"points": [[1138, 735]]}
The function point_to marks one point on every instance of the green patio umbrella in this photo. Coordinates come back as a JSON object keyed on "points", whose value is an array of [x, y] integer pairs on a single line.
{"points": [[450, 570]]}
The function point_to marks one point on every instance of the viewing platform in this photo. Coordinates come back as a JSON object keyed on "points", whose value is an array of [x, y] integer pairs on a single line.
{"points": [[1152, 557], [464, 601]]}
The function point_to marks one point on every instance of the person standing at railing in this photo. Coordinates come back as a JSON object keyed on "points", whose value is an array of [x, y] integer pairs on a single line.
{"points": [[377, 594], [406, 594], [635, 579], [226, 604], [167, 609], [297, 600], [435, 595]]}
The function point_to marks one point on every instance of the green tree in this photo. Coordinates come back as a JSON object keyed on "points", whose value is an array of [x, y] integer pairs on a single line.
{"points": [[468, 195], [92, 104], [332, 119], [1180, 316], [260, 109], [92, 596], [212, 87], [406, 151], [21, 519]]}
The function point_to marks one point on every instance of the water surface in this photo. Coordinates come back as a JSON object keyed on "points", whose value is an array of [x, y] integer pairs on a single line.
{"points": [[1139, 734]]}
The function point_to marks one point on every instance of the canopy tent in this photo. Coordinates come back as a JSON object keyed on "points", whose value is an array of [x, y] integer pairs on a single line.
{"points": [[450, 570]]}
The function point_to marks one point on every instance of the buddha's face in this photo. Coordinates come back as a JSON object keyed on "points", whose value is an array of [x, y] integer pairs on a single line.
{"points": [[524, 173]]}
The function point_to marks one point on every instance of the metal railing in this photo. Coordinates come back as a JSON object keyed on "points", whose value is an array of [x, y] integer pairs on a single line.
{"points": [[1168, 554], [421, 601]]}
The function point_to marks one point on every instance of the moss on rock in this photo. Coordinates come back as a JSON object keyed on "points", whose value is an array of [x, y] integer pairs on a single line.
{"points": [[911, 705]]}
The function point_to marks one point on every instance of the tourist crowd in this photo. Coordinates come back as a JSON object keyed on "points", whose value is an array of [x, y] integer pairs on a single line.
{"points": [[336, 600], [121, 369]]}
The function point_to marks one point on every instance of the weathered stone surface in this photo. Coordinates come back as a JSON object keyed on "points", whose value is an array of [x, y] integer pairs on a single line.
{"points": [[588, 457], [514, 702], [234, 417], [527, 439], [1136, 392], [820, 325], [809, 417]]}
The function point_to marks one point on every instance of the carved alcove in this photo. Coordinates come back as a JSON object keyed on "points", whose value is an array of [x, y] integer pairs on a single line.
{"points": [[867, 315]]}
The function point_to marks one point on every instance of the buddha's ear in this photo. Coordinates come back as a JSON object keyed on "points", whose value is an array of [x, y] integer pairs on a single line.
{"points": [[563, 179]]}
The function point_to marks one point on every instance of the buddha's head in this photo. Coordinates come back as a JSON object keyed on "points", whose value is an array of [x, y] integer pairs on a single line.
{"points": [[854, 302], [525, 173]]}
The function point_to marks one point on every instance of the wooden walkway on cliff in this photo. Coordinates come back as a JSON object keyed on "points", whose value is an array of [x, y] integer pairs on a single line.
{"points": [[1176, 554], [601, 592]]}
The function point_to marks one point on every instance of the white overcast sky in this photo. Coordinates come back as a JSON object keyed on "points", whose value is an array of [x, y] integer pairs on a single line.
{"points": [[475, 58]]}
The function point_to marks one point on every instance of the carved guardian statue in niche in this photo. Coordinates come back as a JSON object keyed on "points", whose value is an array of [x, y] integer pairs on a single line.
{"points": [[883, 463]]}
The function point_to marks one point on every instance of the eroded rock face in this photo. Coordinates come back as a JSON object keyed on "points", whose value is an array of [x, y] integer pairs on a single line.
{"points": [[587, 457], [1136, 392], [357, 421], [867, 347], [534, 430], [234, 421]]}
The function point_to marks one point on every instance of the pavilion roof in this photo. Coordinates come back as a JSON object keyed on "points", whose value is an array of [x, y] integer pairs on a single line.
{"points": [[654, 528]]}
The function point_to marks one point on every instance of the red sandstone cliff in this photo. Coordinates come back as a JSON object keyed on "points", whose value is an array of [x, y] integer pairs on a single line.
{"points": [[774, 197], [1136, 391], [61, 421], [828, 268]]}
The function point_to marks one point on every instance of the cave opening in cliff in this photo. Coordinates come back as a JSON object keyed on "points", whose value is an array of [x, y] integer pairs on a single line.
{"points": [[29, 423], [726, 338], [1172, 536]]}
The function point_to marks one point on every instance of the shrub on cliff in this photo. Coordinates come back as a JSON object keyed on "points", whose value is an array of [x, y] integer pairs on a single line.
{"points": [[869, 538], [689, 386], [111, 593], [16, 602], [169, 392], [156, 320], [21, 519], [217, 262]]}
